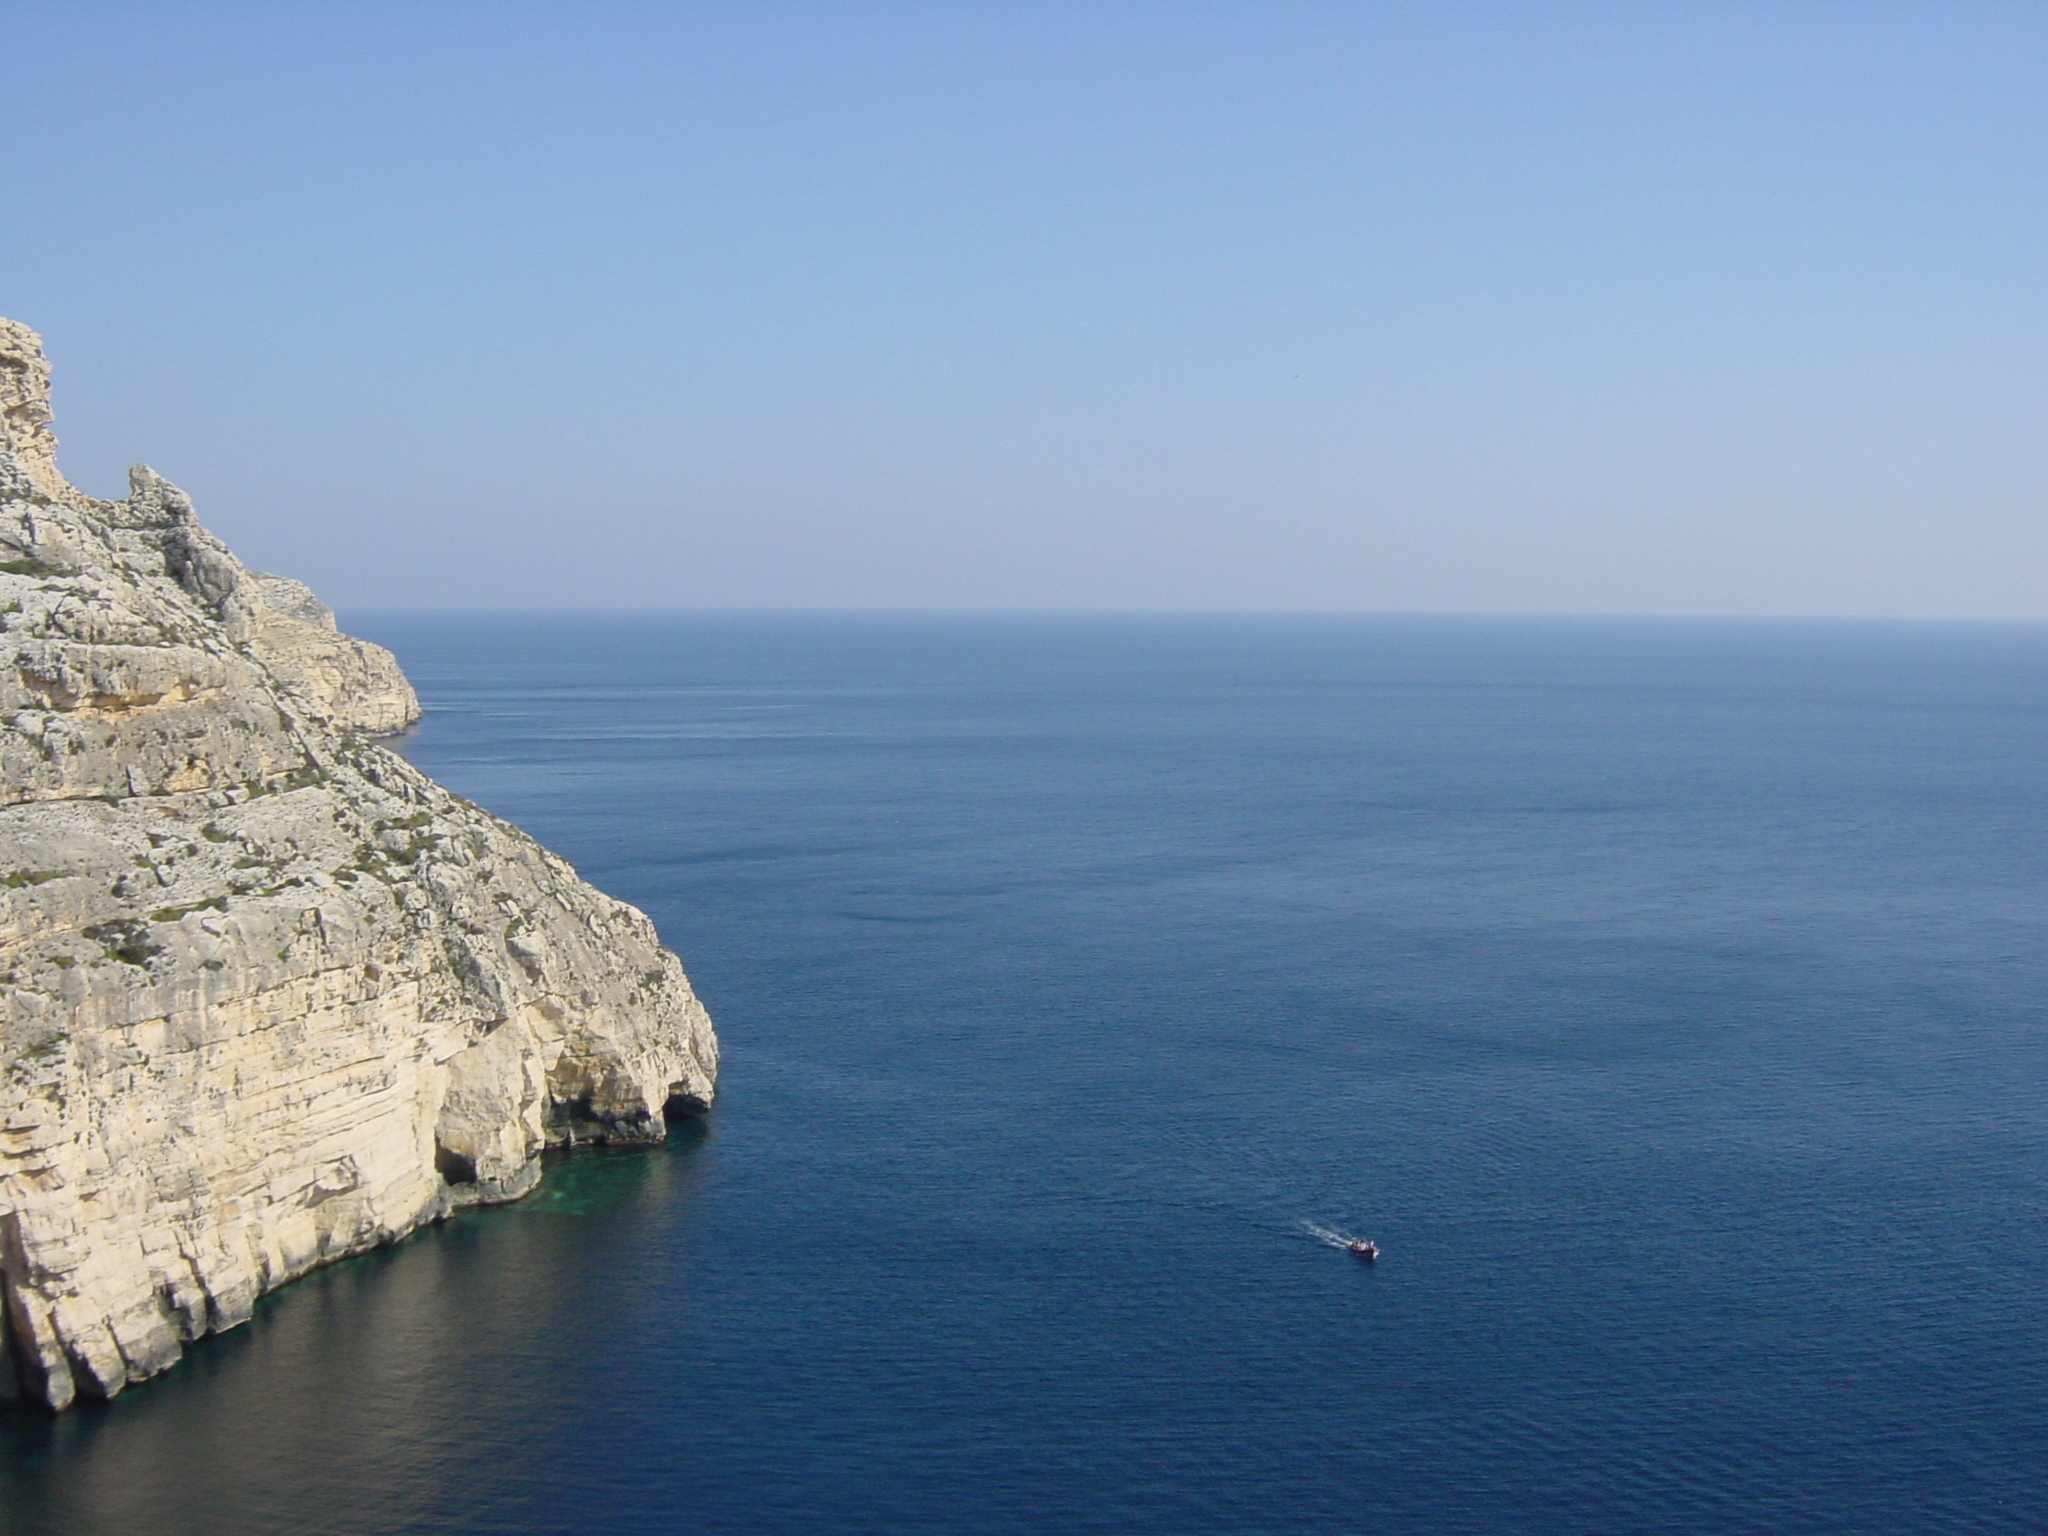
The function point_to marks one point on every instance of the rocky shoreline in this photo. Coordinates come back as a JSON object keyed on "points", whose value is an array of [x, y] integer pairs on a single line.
{"points": [[269, 996]]}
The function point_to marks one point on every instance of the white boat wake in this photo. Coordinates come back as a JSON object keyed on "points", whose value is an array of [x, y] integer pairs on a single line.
{"points": [[1328, 1235]]}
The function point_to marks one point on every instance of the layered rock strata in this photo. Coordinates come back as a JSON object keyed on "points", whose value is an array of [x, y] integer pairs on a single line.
{"points": [[269, 996]]}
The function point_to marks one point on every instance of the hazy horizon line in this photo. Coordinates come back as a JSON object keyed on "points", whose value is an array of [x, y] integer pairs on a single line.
{"points": [[1077, 611]]}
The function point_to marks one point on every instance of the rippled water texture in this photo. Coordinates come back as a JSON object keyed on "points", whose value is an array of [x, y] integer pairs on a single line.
{"points": [[1666, 998]]}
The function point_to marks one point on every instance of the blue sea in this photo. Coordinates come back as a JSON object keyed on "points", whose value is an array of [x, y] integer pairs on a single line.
{"points": [[1668, 998]]}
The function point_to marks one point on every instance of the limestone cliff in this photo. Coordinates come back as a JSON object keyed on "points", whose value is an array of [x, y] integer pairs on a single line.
{"points": [[268, 995], [336, 677]]}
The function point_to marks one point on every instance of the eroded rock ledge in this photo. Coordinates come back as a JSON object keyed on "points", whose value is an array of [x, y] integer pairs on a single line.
{"points": [[269, 996]]}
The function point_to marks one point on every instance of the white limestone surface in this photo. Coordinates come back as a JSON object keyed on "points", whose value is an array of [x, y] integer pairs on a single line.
{"points": [[269, 996]]}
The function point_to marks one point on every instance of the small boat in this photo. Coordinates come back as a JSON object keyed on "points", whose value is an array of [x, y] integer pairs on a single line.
{"points": [[1363, 1248]]}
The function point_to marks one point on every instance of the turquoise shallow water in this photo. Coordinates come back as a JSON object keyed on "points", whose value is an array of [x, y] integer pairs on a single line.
{"points": [[1667, 998]]}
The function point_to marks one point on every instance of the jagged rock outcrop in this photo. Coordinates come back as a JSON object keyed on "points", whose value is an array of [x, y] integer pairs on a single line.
{"points": [[335, 677], [269, 996]]}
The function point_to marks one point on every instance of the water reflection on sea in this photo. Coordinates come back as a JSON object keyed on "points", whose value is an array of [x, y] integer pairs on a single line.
{"points": [[329, 1411]]}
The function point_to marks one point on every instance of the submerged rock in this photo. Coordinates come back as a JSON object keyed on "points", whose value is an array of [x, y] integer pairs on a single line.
{"points": [[269, 996]]}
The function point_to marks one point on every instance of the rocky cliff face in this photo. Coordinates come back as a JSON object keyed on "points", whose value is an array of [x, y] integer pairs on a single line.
{"points": [[269, 996]]}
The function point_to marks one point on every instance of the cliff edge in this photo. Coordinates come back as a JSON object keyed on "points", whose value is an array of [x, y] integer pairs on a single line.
{"points": [[269, 996]]}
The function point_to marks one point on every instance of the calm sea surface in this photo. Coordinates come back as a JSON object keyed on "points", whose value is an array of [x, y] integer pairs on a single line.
{"points": [[1669, 999]]}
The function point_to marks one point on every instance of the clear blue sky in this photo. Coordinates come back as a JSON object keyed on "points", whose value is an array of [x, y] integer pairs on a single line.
{"points": [[1635, 307]]}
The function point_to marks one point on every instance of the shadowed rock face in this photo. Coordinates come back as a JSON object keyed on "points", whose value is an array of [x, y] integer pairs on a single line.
{"points": [[268, 995]]}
